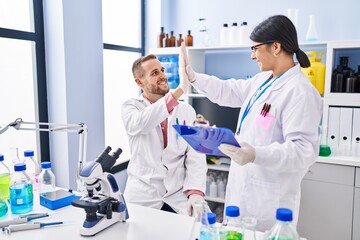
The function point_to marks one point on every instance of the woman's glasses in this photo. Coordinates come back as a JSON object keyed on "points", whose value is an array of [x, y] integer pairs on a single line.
{"points": [[253, 48]]}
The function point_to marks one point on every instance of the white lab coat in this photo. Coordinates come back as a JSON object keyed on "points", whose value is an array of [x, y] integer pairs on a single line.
{"points": [[286, 142], [157, 175]]}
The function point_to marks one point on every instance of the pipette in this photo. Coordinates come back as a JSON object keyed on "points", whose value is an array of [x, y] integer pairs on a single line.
{"points": [[28, 226]]}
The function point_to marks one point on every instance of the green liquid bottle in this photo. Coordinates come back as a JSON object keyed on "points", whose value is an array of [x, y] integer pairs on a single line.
{"points": [[4, 180]]}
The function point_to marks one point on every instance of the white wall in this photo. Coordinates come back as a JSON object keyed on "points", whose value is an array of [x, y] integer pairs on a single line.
{"points": [[336, 20], [74, 65]]}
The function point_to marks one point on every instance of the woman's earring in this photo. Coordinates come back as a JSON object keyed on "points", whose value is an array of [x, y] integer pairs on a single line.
{"points": [[275, 54]]}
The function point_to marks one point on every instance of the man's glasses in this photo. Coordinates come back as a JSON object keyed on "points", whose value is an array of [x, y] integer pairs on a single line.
{"points": [[258, 45]]}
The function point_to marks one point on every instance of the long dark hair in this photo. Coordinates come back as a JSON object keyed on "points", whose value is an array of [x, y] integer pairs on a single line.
{"points": [[279, 28]]}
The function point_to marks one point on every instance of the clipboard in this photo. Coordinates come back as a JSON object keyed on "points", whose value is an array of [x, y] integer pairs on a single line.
{"points": [[206, 139]]}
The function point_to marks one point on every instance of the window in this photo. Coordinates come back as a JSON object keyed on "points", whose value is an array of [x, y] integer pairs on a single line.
{"points": [[123, 35], [22, 69]]}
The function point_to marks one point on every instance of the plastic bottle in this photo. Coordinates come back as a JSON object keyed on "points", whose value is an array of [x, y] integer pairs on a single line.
{"points": [[213, 189], [161, 37], [172, 39], [33, 168], [311, 34], [283, 229], [221, 189], [180, 40], [46, 179], [244, 34], [234, 34], [189, 39], [224, 35], [208, 229], [21, 192], [231, 227], [4, 186]]}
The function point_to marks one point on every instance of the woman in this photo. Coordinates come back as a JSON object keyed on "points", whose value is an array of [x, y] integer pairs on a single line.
{"points": [[277, 126]]}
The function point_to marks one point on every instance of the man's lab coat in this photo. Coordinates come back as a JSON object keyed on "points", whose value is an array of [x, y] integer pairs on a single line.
{"points": [[157, 175]]}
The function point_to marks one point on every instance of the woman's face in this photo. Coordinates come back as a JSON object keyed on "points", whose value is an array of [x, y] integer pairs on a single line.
{"points": [[263, 54]]}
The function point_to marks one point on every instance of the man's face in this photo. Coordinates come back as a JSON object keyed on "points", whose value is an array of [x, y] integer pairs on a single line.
{"points": [[154, 80]]}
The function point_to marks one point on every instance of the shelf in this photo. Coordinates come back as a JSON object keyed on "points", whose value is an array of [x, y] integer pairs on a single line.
{"points": [[212, 199], [224, 168]]}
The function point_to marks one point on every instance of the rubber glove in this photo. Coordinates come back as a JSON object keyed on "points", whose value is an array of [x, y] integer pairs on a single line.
{"points": [[193, 199], [241, 155], [186, 69]]}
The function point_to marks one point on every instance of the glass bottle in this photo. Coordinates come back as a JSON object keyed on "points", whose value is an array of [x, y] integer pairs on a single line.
{"points": [[161, 37], [4, 180], [231, 227], [189, 39], [172, 39], [208, 229], [21, 192], [283, 229], [46, 179], [180, 40], [166, 40], [33, 168], [4, 186]]}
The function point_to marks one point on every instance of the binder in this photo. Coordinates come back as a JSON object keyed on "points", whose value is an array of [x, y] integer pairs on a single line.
{"points": [[355, 140], [345, 129], [333, 129]]}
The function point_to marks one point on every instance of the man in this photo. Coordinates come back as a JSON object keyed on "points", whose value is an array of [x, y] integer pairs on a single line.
{"points": [[164, 171]]}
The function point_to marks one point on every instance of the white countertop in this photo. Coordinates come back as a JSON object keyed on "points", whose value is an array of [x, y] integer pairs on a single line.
{"points": [[340, 160], [143, 223]]}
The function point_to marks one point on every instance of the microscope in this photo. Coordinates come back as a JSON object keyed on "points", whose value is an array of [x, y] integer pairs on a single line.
{"points": [[104, 204]]}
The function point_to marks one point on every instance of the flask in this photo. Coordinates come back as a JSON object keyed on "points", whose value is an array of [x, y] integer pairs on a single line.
{"points": [[172, 39], [4, 186], [161, 37], [231, 226], [189, 39], [311, 34], [234, 34], [283, 229], [33, 168], [208, 229], [21, 192], [224, 35], [46, 179], [180, 40], [4, 179]]}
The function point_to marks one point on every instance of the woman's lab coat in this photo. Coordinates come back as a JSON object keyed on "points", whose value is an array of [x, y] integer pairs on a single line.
{"points": [[157, 175], [286, 140]]}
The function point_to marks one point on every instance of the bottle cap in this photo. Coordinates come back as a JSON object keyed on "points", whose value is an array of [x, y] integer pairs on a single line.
{"points": [[19, 167], [284, 214], [1, 157], [211, 218], [232, 211], [46, 164], [29, 153]]}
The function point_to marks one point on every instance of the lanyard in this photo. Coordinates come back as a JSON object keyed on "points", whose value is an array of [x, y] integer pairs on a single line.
{"points": [[255, 97]]}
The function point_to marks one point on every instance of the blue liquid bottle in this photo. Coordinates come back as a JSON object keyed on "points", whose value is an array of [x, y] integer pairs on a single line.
{"points": [[21, 191]]}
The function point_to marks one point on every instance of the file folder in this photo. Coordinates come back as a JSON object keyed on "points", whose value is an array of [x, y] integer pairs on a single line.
{"points": [[206, 139], [355, 139], [333, 129], [345, 129]]}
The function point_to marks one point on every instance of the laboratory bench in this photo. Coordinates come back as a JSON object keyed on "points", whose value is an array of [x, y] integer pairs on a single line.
{"points": [[143, 223]]}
